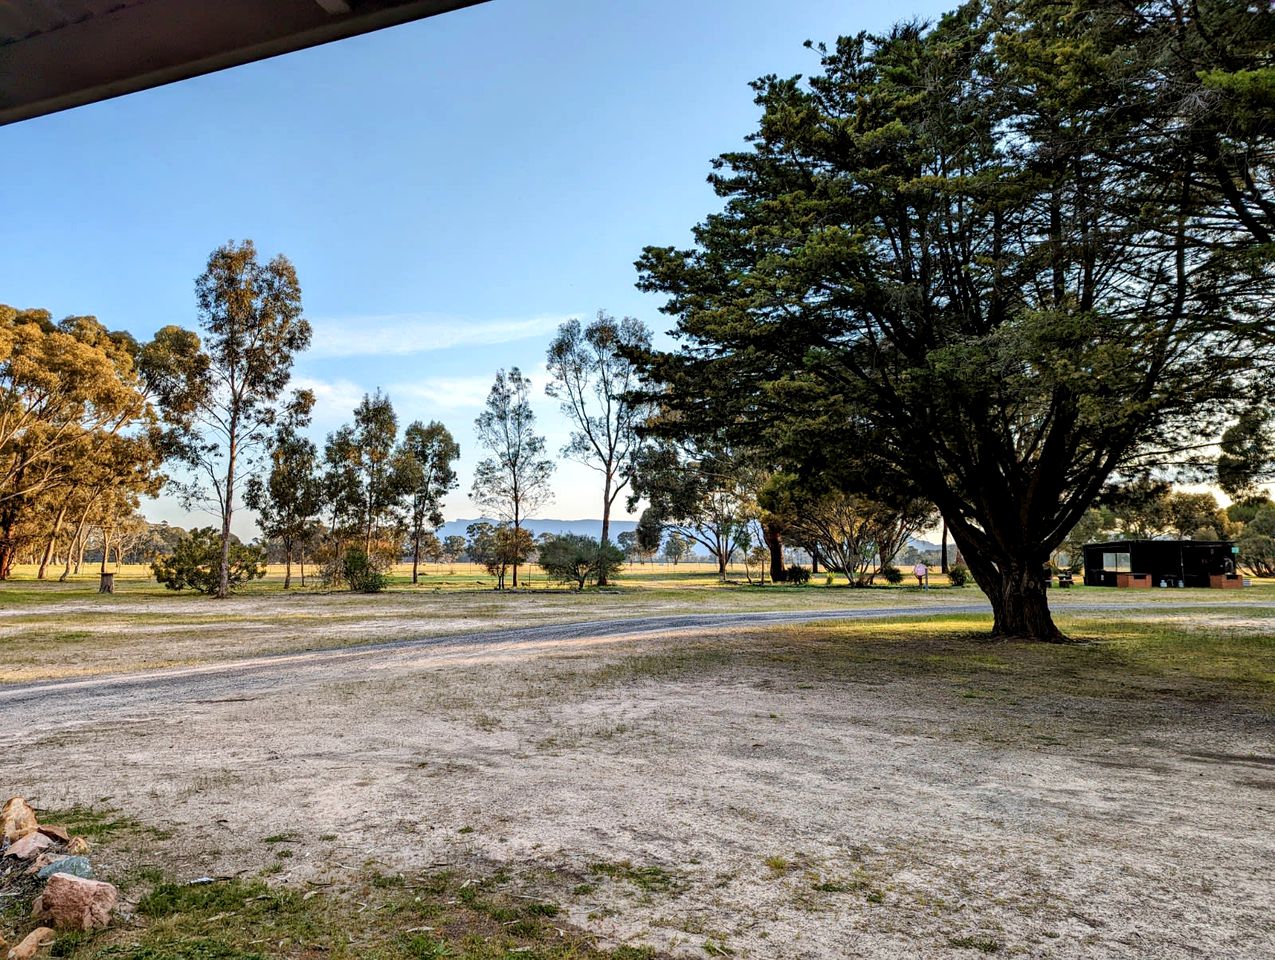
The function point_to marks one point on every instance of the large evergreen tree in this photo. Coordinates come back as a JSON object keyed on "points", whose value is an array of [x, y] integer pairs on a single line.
{"points": [[963, 251]]}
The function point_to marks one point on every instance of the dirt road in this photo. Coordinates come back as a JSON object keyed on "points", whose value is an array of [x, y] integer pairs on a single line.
{"points": [[48, 704]]}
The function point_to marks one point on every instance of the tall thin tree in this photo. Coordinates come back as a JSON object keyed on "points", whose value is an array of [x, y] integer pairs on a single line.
{"points": [[514, 480], [366, 470], [595, 380], [290, 495], [427, 451], [222, 408]]}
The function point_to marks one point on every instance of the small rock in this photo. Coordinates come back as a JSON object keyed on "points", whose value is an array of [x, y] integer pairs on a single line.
{"points": [[54, 832], [42, 861], [75, 866], [32, 942], [78, 846], [28, 847], [17, 819], [75, 903]]}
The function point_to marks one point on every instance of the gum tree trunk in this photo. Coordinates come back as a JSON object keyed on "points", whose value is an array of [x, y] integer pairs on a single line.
{"points": [[607, 497], [49, 547]]}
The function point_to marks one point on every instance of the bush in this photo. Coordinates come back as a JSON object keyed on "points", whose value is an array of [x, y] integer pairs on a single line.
{"points": [[196, 563], [958, 574], [798, 574], [573, 558], [1257, 542], [827, 578], [360, 573], [891, 574]]}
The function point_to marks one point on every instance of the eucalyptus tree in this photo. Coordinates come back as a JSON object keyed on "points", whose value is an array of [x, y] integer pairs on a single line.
{"points": [[595, 377], [70, 391], [962, 250], [290, 495], [368, 475], [427, 453], [1246, 461], [222, 402], [513, 481]]}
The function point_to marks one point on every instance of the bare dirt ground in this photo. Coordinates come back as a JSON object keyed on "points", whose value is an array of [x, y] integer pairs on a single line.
{"points": [[81, 634], [776, 792]]}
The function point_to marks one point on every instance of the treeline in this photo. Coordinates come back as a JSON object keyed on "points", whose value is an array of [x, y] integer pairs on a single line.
{"points": [[91, 416], [79, 438]]}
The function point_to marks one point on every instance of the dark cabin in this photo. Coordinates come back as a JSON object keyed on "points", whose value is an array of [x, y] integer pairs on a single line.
{"points": [[1154, 563]]}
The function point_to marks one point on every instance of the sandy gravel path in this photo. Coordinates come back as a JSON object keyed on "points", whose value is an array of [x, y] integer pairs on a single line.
{"points": [[48, 704], [803, 807]]}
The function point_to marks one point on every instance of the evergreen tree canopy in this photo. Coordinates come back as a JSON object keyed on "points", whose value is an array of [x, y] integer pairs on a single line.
{"points": [[999, 258]]}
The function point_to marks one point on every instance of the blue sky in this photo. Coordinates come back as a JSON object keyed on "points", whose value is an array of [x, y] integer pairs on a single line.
{"points": [[449, 190]]}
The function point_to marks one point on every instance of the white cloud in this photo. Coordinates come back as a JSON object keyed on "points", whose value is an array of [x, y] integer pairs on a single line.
{"points": [[403, 334], [334, 400]]}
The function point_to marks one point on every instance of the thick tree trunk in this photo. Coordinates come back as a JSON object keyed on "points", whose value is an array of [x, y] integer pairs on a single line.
{"points": [[7, 556], [1016, 588], [287, 565], [721, 564], [814, 560], [775, 544], [1020, 607], [416, 558], [943, 555]]}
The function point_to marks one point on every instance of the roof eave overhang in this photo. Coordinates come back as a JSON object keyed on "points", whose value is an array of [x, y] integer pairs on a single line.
{"points": [[145, 44]]}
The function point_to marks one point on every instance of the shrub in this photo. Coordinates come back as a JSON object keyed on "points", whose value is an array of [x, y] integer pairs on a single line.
{"points": [[891, 574], [196, 563], [827, 578], [958, 574], [1257, 542], [798, 574], [573, 558], [360, 573]]}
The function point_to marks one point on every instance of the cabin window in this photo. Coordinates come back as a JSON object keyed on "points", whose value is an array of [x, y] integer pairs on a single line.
{"points": [[1116, 562]]}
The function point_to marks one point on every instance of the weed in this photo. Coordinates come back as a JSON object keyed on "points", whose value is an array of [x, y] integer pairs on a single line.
{"points": [[651, 879], [92, 823], [980, 943]]}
